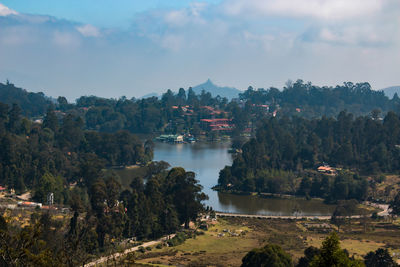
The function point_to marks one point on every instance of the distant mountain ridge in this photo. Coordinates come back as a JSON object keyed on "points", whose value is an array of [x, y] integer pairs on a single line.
{"points": [[390, 91], [209, 86]]}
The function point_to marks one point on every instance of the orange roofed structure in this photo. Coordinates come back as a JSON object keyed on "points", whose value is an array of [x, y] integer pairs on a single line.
{"points": [[217, 124]]}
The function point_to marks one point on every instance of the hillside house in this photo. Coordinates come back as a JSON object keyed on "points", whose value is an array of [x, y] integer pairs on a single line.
{"points": [[217, 124]]}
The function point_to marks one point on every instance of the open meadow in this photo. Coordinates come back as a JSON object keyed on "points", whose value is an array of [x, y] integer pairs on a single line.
{"points": [[228, 240]]}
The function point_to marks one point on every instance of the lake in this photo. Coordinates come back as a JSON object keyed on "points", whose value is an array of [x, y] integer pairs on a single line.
{"points": [[207, 159]]}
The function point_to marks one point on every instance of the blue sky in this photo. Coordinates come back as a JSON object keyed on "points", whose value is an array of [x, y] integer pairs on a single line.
{"points": [[102, 13], [131, 48]]}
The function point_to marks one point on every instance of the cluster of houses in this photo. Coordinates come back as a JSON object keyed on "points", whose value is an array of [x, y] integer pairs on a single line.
{"points": [[225, 125], [188, 110], [213, 111]]}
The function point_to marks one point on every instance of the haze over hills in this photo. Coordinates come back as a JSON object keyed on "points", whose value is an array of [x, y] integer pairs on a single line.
{"points": [[209, 86], [390, 91]]}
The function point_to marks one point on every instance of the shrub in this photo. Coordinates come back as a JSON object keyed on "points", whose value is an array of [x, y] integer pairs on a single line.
{"points": [[177, 240]]}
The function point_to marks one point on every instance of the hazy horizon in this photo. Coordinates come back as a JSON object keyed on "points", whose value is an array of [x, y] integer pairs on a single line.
{"points": [[132, 48]]}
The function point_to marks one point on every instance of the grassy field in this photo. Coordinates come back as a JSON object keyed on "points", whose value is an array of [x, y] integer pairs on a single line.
{"points": [[226, 242]]}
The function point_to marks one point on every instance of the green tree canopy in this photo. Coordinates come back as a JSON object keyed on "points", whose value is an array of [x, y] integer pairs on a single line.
{"points": [[332, 255], [268, 256], [379, 258]]}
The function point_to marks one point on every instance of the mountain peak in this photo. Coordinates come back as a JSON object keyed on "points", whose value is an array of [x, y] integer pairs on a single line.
{"points": [[215, 90], [208, 81]]}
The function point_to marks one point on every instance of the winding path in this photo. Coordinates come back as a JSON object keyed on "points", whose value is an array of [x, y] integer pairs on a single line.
{"points": [[127, 251], [384, 212]]}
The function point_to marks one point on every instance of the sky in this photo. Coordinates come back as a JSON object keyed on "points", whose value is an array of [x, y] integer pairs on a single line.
{"points": [[132, 48]]}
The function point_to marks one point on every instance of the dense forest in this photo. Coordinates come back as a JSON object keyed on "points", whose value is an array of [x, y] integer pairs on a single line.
{"points": [[102, 217], [31, 104], [286, 148], [308, 100], [182, 112], [59, 149], [62, 158], [150, 115], [67, 151]]}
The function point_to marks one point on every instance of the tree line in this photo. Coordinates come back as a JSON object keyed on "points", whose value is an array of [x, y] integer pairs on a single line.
{"points": [[290, 147], [158, 115], [315, 101]]}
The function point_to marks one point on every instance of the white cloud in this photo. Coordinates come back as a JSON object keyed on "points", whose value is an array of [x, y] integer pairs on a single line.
{"points": [[352, 36], [320, 9], [88, 30], [177, 17], [5, 11], [262, 43], [181, 17]]}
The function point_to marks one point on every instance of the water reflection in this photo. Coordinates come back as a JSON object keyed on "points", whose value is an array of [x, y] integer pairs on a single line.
{"points": [[271, 206], [207, 159]]}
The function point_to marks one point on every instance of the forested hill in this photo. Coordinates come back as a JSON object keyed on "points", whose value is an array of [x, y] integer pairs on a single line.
{"points": [[32, 104], [183, 111], [62, 158], [61, 150], [209, 87], [284, 149], [314, 101]]}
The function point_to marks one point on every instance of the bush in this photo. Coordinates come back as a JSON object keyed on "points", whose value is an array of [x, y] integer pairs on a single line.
{"points": [[199, 232], [141, 249], [270, 255], [177, 240]]}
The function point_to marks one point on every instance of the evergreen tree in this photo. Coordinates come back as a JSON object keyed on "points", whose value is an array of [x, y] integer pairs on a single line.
{"points": [[379, 258], [332, 255]]}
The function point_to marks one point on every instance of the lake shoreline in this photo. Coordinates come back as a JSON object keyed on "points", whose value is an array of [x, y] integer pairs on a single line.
{"points": [[265, 195], [207, 159]]}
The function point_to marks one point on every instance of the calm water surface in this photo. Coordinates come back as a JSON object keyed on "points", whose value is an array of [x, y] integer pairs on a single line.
{"points": [[207, 159]]}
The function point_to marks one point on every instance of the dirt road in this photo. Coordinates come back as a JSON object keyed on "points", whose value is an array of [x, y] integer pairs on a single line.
{"points": [[127, 251]]}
